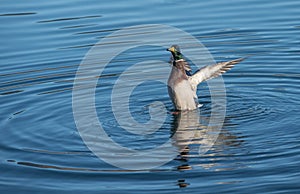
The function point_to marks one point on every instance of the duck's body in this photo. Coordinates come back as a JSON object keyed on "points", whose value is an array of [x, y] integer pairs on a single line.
{"points": [[180, 91], [182, 85]]}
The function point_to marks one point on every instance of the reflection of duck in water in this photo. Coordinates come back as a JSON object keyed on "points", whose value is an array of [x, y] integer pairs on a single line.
{"points": [[182, 85], [190, 131], [186, 125], [187, 131]]}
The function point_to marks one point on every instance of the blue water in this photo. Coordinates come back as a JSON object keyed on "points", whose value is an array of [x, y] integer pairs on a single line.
{"points": [[43, 43]]}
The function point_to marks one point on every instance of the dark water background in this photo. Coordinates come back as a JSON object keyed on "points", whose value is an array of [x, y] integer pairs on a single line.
{"points": [[43, 43]]}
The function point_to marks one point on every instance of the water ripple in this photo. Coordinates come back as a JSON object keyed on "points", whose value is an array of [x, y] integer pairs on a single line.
{"points": [[18, 14], [71, 18]]}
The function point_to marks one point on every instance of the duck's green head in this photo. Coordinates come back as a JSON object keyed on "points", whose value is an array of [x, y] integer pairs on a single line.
{"points": [[175, 50]]}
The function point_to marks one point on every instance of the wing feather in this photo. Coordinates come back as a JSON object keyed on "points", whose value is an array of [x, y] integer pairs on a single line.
{"points": [[212, 71]]}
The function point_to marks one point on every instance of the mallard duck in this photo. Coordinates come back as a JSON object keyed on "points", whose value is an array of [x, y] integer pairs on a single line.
{"points": [[182, 84]]}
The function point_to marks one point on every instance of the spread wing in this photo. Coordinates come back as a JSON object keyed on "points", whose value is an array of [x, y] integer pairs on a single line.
{"points": [[212, 71]]}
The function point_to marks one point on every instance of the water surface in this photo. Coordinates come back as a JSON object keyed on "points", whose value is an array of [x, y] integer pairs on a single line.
{"points": [[43, 43]]}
